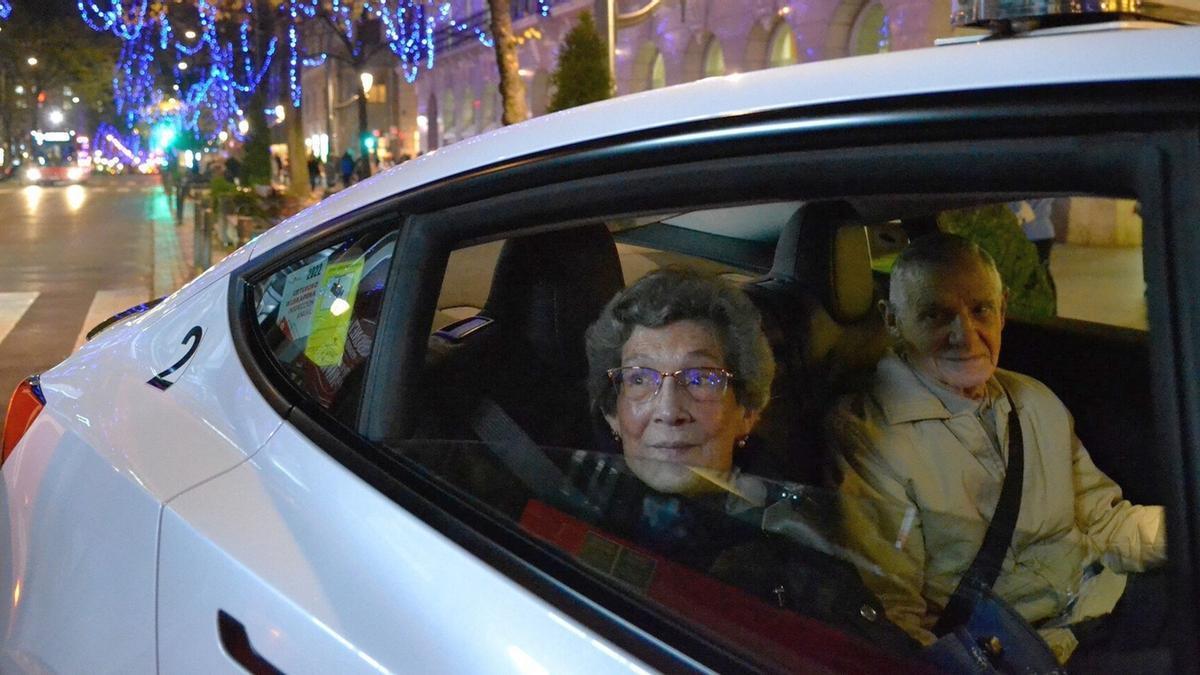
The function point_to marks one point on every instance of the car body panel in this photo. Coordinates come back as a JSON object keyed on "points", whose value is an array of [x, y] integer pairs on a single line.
{"points": [[1115, 56], [97, 481], [267, 543], [80, 565], [208, 418]]}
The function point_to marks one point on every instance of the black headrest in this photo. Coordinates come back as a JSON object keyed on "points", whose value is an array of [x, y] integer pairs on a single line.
{"points": [[548, 288]]}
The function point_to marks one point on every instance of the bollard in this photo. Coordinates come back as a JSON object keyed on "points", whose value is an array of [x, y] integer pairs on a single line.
{"points": [[196, 234], [201, 246], [206, 236]]}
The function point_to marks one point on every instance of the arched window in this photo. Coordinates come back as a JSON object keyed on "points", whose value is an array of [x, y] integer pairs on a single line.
{"points": [[658, 72], [714, 58], [871, 33], [781, 50]]}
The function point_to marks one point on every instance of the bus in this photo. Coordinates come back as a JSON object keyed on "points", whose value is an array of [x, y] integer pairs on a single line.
{"points": [[58, 157]]}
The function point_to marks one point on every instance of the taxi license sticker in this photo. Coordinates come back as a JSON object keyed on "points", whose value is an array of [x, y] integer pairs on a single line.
{"points": [[297, 301], [332, 311]]}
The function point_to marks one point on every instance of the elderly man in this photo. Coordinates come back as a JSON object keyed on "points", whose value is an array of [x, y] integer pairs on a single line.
{"points": [[921, 457]]}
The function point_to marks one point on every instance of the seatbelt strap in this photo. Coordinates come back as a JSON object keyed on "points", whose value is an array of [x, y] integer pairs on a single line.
{"points": [[984, 570], [525, 458]]}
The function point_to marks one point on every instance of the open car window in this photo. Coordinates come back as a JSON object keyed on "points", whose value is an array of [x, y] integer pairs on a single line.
{"points": [[1073, 257]]}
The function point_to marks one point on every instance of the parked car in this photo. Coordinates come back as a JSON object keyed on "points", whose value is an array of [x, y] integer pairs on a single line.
{"points": [[295, 464]]}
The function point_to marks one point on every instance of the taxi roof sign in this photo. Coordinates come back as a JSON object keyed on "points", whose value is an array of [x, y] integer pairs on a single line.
{"points": [[1023, 15]]}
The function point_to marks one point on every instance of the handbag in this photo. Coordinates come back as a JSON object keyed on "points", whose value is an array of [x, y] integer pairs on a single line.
{"points": [[978, 631]]}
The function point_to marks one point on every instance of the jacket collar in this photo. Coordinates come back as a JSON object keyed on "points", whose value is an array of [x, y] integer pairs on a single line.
{"points": [[903, 397]]}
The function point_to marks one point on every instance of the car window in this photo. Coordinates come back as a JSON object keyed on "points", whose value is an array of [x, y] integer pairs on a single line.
{"points": [[506, 421], [318, 316]]}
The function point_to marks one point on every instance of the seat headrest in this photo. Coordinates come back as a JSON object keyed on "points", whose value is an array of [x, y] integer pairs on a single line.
{"points": [[825, 247], [549, 287]]}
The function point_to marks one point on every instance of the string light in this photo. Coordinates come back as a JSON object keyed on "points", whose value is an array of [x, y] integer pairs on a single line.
{"points": [[222, 74]]}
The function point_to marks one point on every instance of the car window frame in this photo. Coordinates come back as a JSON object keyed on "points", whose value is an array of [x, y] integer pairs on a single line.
{"points": [[436, 222]]}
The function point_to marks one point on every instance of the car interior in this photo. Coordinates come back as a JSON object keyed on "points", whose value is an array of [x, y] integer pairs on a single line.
{"points": [[813, 271], [505, 363]]}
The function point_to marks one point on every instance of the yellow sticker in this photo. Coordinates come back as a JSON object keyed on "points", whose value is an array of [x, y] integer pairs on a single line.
{"points": [[331, 316]]}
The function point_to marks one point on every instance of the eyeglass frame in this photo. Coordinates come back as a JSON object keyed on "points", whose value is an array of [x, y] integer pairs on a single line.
{"points": [[729, 377]]}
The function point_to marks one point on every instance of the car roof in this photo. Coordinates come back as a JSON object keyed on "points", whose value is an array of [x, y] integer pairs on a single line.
{"points": [[1111, 56]]}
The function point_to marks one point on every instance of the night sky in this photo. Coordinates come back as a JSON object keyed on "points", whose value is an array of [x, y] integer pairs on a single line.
{"points": [[53, 10]]}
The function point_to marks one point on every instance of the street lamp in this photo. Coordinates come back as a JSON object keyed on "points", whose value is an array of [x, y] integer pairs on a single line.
{"points": [[32, 61], [56, 117], [367, 80]]}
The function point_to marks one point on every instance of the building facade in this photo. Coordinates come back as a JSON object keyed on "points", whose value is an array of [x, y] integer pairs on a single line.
{"points": [[674, 41]]}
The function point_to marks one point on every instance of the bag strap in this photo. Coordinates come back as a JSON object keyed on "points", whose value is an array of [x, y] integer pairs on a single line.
{"points": [[984, 570]]}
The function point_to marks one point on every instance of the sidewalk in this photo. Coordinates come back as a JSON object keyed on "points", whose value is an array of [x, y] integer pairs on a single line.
{"points": [[175, 248]]}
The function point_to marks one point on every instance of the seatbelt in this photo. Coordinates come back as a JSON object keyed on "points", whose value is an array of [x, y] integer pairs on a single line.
{"points": [[523, 456], [984, 570]]}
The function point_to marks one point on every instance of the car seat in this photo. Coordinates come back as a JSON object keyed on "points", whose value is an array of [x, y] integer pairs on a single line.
{"points": [[818, 306], [528, 358]]}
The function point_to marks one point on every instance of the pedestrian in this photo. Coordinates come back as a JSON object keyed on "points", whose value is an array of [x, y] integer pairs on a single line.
{"points": [[233, 170], [362, 168], [278, 168], [314, 171], [347, 168]]}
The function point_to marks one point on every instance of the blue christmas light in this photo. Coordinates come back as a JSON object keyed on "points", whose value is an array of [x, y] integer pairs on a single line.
{"points": [[223, 72]]}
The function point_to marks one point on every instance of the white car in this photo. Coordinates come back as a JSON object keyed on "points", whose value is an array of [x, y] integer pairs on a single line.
{"points": [[362, 442]]}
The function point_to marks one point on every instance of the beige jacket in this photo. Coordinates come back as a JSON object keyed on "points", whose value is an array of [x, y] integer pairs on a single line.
{"points": [[918, 485]]}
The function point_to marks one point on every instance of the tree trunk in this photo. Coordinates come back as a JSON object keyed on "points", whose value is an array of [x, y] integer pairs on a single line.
{"points": [[512, 88], [298, 183]]}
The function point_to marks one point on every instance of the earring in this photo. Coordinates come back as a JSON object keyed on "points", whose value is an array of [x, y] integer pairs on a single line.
{"points": [[741, 442], [616, 436]]}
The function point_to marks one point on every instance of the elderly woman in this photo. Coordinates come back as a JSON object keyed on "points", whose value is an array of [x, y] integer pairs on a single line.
{"points": [[680, 368]]}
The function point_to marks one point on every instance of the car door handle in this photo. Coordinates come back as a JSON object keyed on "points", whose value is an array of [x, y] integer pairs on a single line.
{"points": [[237, 644]]}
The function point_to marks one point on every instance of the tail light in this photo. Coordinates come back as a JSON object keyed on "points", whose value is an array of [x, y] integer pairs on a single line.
{"points": [[23, 408]]}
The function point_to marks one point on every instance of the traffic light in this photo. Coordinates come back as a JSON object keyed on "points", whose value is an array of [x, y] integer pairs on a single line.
{"points": [[162, 137]]}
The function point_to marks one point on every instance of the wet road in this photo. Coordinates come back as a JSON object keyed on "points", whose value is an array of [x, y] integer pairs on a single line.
{"points": [[70, 256]]}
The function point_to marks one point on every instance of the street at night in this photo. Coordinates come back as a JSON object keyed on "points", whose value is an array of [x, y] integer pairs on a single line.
{"points": [[70, 257]]}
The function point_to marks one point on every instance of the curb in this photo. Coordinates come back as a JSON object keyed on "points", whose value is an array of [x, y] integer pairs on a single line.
{"points": [[172, 253]]}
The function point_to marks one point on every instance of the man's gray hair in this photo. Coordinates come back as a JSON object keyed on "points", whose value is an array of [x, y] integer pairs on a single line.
{"points": [[679, 294], [938, 250]]}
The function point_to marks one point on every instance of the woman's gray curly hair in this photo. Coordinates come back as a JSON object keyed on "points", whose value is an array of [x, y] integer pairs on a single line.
{"points": [[678, 294]]}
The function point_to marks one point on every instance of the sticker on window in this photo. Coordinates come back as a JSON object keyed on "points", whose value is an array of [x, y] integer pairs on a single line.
{"points": [[299, 297], [332, 312]]}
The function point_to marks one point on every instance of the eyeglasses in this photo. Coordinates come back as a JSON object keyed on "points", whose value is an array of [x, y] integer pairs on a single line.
{"points": [[642, 384]]}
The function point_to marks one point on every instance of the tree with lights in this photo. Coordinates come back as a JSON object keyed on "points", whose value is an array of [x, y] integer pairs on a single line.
{"points": [[38, 62], [207, 63]]}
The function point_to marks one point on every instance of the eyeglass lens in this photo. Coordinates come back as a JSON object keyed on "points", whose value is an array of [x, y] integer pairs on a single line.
{"points": [[702, 384]]}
